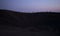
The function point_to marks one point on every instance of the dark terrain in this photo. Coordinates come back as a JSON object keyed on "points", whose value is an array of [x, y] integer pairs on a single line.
{"points": [[43, 21]]}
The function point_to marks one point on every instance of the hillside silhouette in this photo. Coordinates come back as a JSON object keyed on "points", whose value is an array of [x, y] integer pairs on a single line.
{"points": [[24, 20], [14, 22]]}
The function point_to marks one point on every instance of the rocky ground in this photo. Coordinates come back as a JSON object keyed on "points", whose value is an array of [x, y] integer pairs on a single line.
{"points": [[30, 31]]}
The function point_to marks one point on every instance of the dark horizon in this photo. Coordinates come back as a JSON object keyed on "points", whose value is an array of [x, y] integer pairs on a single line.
{"points": [[28, 12]]}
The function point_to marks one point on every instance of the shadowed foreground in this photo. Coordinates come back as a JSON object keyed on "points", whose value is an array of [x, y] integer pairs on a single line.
{"points": [[29, 24]]}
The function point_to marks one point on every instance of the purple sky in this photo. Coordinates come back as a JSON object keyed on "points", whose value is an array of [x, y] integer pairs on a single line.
{"points": [[30, 5]]}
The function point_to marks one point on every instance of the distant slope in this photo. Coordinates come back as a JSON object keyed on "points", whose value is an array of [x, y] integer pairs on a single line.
{"points": [[23, 20], [8, 17]]}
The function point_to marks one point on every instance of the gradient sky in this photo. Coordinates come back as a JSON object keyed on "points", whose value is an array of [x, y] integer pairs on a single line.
{"points": [[30, 5]]}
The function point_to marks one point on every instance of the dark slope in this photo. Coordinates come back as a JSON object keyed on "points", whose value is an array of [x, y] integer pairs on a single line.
{"points": [[23, 20], [13, 23], [14, 18]]}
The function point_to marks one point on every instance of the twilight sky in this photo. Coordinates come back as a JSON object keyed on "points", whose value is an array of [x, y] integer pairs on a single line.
{"points": [[30, 5]]}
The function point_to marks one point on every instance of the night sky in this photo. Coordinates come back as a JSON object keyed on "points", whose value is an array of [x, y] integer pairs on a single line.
{"points": [[31, 5]]}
